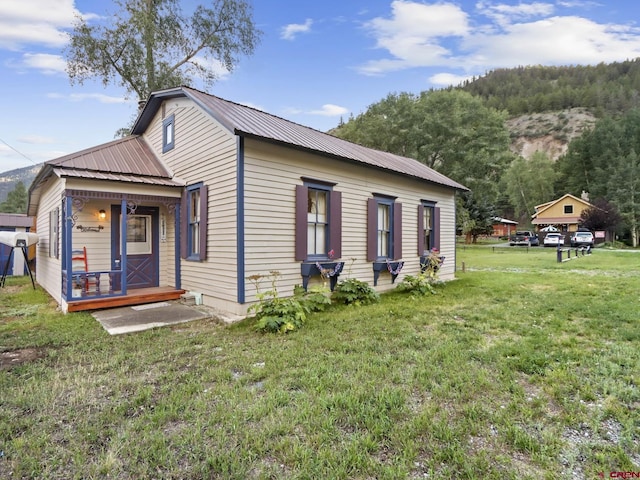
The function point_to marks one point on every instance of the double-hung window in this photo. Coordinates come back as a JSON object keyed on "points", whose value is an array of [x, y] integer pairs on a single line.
{"points": [[318, 221], [384, 228], [194, 222], [428, 227]]}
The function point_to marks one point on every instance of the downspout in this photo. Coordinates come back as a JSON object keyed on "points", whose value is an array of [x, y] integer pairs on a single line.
{"points": [[241, 286]]}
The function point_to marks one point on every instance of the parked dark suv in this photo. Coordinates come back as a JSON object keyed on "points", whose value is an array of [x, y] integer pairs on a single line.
{"points": [[582, 239]]}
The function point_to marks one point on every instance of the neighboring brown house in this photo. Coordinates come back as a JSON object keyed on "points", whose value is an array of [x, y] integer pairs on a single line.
{"points": [[563, 213]]}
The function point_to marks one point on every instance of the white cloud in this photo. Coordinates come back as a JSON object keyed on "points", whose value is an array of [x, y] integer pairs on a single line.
{"points": [[327, 110], [556, 41], [330, 110], [448, 79], [289, 32], [80, 97], [413, 34], [36, 140], [41, 22], [504, 14], [418, 35], [47, 63]]}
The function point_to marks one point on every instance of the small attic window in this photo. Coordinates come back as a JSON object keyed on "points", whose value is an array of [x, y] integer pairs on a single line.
{"points": [[168, 133], [568, 209]]}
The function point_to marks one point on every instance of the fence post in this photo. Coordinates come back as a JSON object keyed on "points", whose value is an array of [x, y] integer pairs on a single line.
{"points": [[559, 254]]}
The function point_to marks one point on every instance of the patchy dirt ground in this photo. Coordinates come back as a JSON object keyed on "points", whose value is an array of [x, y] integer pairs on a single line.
{"points": [[14, 358]]}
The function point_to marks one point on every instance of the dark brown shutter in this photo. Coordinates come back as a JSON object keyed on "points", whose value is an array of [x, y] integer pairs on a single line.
{"points": [[184, 221], [436, 228], [302, 207], [420, 230], [372, 229], [397, 231], [204, 224], [335, 223]]}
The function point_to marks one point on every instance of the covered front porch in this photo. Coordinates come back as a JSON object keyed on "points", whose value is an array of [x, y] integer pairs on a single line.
{"points": [[119, 249]]}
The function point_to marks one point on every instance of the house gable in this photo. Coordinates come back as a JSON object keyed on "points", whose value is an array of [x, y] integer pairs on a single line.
{"points": [[566, 210]]}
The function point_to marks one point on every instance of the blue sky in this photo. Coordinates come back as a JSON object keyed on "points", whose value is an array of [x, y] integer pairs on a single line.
{"points": [[317, 62]]}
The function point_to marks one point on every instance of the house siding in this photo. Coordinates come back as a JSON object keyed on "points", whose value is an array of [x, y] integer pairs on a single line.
{"points": [[271, 174], [205, 152], [48, 268]]}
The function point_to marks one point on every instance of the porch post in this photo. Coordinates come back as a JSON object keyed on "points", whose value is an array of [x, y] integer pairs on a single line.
{"points": [[177, 248], [67, 243], [123, 244]]}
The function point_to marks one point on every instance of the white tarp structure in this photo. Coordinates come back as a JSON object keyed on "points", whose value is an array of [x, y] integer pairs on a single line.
{"points": [[21, 240]]}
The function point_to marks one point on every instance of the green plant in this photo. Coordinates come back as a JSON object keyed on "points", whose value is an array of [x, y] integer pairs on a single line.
{"points": [[316, 299], [354, 292], [282, 315], [274, 313], [421, 284]]}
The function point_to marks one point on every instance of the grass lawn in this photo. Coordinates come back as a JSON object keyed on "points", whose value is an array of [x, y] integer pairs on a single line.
{"points": [[522, 368]]}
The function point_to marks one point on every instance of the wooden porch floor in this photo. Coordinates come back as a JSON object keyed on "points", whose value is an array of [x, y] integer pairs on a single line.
{"points": [[138, 296]]}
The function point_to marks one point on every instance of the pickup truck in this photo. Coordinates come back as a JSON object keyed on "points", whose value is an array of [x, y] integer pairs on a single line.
{"points": [[524, 237]]}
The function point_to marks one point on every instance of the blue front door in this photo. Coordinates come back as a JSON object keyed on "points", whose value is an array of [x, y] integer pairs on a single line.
{"points": [[142, 246]]}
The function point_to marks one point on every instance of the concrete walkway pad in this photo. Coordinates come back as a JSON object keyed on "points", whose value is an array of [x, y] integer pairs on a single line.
{"points": [[143, 317]]}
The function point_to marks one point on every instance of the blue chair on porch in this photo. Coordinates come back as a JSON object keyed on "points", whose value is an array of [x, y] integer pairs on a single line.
{"points": [[80, 267]]}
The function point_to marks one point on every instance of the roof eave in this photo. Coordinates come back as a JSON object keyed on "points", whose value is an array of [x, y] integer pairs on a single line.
{"points": [[34, 189], [151, 106]]}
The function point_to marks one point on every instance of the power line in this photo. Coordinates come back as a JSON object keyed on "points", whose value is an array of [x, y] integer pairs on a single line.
{"points": [[18, 151]]}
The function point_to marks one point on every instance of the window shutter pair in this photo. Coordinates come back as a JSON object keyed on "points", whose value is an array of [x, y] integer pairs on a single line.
{"points": [[335, 222], [184, 227], [372, 231]]}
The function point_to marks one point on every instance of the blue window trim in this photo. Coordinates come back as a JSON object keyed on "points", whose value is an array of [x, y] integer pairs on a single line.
{"points": [[327, 187], [190, 240], [390, 201], [168, 145]]}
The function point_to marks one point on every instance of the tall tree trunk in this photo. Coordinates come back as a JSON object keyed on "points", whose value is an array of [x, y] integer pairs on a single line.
{"points": [[149, 44]]}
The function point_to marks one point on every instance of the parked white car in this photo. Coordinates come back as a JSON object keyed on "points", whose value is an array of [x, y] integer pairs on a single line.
{"points": [[553, 240], [582, 239]]}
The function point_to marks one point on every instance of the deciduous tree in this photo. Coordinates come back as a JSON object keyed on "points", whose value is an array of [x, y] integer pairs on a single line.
{"points": [[149, 45]]}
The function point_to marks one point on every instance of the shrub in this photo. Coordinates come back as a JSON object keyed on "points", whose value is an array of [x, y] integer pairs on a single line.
{"points": [[281, 315], [354, 292], [423, 283], [420, 284]]}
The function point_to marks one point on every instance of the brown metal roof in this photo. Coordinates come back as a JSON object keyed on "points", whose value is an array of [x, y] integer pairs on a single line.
{"points": [[129, 155], [125, 160], [247, 121]]}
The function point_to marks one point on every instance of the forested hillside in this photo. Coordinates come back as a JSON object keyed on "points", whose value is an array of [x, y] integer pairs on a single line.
{"points": [[569, 129], [604, 89]]}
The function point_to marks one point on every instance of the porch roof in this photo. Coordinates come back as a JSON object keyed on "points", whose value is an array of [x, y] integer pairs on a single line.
{"points": [[127, 159]]}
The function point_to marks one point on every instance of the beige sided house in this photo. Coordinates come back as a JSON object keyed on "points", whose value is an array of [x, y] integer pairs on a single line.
{"points": [[206, 193], [563, 213]]}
